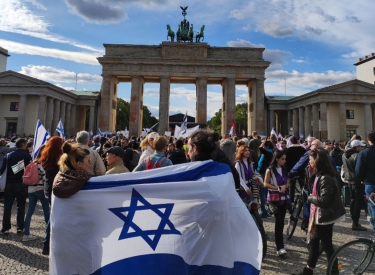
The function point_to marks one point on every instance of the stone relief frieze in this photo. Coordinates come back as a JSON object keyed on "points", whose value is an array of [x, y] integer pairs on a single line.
{"points": [[183, 51]]}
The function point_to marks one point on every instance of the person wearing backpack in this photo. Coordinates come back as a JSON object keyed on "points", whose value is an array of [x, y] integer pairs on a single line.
{"points": [[14, 162], [35, 193], [158, 158]]}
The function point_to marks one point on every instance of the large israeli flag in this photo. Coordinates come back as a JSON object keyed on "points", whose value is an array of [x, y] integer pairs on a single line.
{"points": [[181, 219], [40, 137], [183, 126]]}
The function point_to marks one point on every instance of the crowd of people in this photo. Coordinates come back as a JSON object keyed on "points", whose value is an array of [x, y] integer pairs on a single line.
{"points": [[265, 170]]}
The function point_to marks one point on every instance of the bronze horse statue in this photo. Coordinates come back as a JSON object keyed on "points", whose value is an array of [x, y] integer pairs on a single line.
{"points": [[170, 33], [200, 35]]}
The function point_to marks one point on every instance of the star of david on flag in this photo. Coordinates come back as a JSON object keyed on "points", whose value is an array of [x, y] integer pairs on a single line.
{"points": [[138, 232], [60, 129]]}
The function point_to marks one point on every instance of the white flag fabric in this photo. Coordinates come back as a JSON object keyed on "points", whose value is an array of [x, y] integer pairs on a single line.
{"points": [[40, 137], [60, 129], [188, 132], [273, 132], [180, 219]]}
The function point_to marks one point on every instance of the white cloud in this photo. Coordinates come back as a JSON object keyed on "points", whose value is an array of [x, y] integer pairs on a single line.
{"points": [[79, 57], [299, 83], [298, 60], [51, 74], [37, 4], [16, 17], [347, 24], [276, 57]]}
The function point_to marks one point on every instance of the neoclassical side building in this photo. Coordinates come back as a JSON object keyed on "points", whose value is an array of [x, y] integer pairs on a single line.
{"points": [[24, 100], [331, 113]]}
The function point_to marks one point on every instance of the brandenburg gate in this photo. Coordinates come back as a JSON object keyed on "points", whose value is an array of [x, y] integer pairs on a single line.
{"points": [[182, 63]]}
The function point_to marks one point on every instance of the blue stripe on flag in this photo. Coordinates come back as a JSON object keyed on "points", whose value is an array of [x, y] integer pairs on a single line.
{"points": [[164, 264], [211, 168]]}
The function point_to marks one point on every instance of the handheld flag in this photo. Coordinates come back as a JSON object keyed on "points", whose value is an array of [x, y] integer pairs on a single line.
{"points": [[280, 136], [232, 131], [60, 129], [273, 132], [173, 220], [100, 133], [40, 137], [183, 127], [91, 133]]}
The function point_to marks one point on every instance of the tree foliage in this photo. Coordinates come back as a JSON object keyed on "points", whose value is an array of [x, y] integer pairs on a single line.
{"points": [[123, 115], [241, 119]]}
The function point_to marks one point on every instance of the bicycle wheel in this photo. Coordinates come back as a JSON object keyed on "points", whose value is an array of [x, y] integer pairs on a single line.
{"points": [[259, 222], [293, 219], [352, 258]]}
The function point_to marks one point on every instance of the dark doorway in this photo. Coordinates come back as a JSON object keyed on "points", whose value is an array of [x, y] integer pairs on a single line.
{"points": [[11, 128]]}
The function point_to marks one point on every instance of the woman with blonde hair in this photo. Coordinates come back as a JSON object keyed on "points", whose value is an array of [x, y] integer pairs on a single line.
{"points": [[249, 178], [147, 146], [74, 171]]}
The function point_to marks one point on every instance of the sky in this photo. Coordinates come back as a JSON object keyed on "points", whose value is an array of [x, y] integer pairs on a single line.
{"points": [[310, 44]]}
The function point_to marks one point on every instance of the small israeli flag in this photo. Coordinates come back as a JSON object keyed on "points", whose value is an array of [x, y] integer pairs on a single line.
{"points": [[100, 133], [183, 127], [40, 137], [60, 129]]}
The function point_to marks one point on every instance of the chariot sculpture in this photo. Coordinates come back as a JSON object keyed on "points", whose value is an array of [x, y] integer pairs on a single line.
{"points": [[185, 31]]}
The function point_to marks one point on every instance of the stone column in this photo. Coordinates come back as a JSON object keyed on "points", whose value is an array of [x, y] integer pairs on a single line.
{"points": [[136, 106], [21, 115], [62, 112], [49, 116], [301, 122], [56, 116], [164, 105], [251, 99], [67, 129], [108, 103], [295, 123], [272, 120], [323, 122], [229, 105], [42, 109], [368, 119], [290, 120], [201, 93], [307, 120], [260, 113], [92, 118], [315, 114], [73, 127], [342, 120]]}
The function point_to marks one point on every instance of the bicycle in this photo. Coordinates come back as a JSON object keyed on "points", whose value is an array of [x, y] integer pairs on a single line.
{"points": [[299, 201], [253, 210], [354, 257]]}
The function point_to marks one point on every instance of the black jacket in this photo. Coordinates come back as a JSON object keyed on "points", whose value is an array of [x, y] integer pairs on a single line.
{"points": [[349, 159], [11, 159], [293, 155], [178, 156], [328, 199], [365, 166]]}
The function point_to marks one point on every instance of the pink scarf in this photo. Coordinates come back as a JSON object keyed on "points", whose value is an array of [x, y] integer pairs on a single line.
{"points": [[313, 208]]}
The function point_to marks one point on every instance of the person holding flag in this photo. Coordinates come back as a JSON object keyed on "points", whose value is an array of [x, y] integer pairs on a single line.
{"points": [[232, 131], [194, 203], [14, 164]]}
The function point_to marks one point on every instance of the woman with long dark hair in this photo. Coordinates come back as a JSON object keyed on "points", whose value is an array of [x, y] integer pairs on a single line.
{"points": [[49, 159], [277, 182], [326, 209]]}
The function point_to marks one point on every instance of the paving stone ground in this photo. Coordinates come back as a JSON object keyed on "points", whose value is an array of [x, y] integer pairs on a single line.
{"points": [[17, 257]]}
